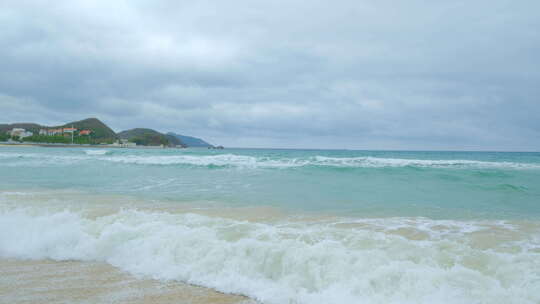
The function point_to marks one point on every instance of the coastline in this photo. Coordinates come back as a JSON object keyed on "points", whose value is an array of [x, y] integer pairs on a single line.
{"points": [[49, 145]]}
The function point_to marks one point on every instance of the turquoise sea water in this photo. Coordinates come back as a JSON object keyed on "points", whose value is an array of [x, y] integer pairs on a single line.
{"points": [[286, 226], [446, 185]]}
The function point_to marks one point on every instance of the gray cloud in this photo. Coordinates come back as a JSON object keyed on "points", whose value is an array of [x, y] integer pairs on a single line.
{"points": [[351, 74]]}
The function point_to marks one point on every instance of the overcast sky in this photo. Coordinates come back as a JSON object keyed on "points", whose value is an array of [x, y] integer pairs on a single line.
{"points": [[460, 75]]}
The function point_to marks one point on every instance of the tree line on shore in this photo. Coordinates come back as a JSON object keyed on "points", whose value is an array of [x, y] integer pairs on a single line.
{"points": [[98, 133]]}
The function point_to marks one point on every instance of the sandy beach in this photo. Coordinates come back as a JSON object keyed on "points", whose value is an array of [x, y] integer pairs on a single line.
{"points": [[47, 281], [18, 145], [48, 145]]}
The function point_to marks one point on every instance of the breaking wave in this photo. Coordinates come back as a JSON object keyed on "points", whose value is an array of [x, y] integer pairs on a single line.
{"points": [[97, 152], [402, 162], [395, 260], [246, 161]]}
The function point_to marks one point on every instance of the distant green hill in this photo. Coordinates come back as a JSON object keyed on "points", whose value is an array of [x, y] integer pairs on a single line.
{"points": [[100, 131], [149, 137], [32, 127], [191, 141], [175, 141]]}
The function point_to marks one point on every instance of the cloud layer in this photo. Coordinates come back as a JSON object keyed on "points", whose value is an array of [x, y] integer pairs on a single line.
{"points": [[350, 74]]}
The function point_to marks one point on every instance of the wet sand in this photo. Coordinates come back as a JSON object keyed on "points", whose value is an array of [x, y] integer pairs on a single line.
{"points": [[46, 281]]}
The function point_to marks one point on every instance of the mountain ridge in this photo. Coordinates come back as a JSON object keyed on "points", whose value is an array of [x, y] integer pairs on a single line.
{"points": [[191, 141], [101, 133], [149, 137]]}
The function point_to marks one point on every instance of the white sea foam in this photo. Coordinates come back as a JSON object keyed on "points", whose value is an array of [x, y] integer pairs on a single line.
{"points": [[403, 162], [96, 152], [39, 159], [246, 161], [358, 261], [322, 161], [232, 160], [14, 193]]}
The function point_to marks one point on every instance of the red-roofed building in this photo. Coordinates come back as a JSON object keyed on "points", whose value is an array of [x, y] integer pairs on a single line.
{"points": [[85, 132]]}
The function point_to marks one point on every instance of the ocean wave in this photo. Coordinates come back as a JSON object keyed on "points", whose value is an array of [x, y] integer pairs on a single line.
{"points": [[399, 260], [223, 160], [14, 193], [97, 152], [220, 160], [403, 162], [38, 159], [246, 161]]}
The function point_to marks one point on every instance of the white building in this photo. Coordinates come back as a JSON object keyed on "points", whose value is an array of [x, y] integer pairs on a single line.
{"points": [[124, 143], [21, 133], [53, 132]]}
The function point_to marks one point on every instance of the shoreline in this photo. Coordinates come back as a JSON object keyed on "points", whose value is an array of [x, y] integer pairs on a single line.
{"points": [[49, 145], [71, 281], [110, 246]]}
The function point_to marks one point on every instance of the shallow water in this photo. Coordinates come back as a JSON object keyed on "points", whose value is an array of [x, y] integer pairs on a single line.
{"points": [[285, 226]]}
